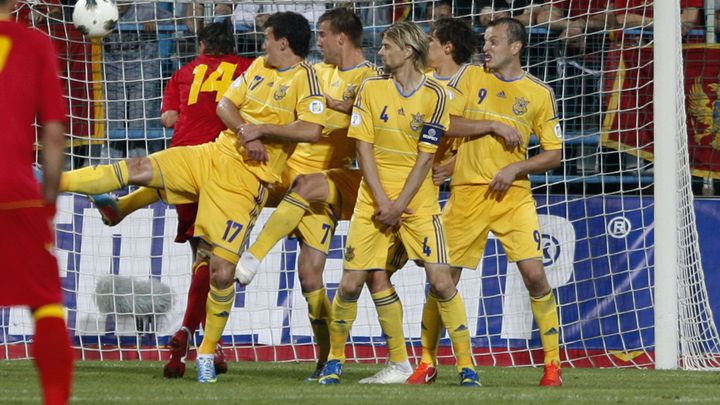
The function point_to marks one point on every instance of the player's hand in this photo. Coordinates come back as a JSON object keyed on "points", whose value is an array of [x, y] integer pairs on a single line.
{"points": [[509, 134], [255, 150], [503, 180], [388, 214], [249, 132], [442, 171], [344, 106]]}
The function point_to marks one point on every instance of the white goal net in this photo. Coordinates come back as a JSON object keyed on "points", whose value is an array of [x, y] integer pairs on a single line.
{"points": [[596, 210]]}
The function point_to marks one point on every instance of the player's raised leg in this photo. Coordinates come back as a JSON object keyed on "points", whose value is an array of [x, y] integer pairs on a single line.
{"points": [[305, 190], [113, 209], [105, 178]]}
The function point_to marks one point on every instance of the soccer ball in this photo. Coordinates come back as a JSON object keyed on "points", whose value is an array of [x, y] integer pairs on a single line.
{"points": [[95, 18]]}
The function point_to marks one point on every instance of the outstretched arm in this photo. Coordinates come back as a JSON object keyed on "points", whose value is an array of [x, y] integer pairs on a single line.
{"points": [[539, 163], [464, 127]]}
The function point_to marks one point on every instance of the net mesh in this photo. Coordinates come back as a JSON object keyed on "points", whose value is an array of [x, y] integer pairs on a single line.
{"points": [[596, 210]]}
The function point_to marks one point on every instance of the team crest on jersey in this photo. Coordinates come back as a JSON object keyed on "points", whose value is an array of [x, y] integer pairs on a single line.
{"points": [[349, 253], [349, 93], [520, 106], [417, 121], [281, 92]]}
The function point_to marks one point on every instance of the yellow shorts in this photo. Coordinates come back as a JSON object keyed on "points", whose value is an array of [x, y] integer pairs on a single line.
{"points": [[344, 185], [317, 226], [229, 196], [469, 215], [368, 248]]}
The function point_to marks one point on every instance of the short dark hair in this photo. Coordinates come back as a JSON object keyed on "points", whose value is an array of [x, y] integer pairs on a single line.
{"points": [[218, 38], [293, 27], [515, 29], [459, 33], [344, 20]]}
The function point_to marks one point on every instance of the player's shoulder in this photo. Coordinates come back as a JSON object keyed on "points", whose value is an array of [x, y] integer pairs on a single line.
{"points": [[375, 81], [371, 68], [305, 71], [537, 85], [435, 87], [32, 38]]}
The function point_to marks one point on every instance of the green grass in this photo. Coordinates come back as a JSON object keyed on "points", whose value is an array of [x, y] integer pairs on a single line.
{"points": [[142, 383]]}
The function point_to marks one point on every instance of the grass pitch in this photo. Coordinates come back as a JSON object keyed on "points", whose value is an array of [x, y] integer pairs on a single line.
{"points": [[142, 383]]}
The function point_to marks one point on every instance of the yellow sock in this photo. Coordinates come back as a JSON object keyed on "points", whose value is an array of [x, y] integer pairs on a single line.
{"points": [[544, 311], [96, 180], [454, 319], [431, 329], [319, 308], [390, 314], [343, 316], [281, 223], [49, 311], [218, 307], [139, 198]]}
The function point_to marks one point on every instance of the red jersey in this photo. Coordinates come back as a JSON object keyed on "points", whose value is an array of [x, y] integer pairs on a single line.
{"points": [[194, 91], [29, 89]]}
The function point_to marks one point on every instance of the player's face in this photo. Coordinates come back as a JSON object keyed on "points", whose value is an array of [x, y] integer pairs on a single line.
{"points": [[272, 47], [328, 43], [436, 52], [498, 50], [392, 55]]}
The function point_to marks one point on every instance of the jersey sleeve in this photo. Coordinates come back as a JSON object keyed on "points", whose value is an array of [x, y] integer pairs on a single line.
{"points": [[361, 125], [52, 104], [434, 128], [547, 124], [171, 96], [311, 101]]}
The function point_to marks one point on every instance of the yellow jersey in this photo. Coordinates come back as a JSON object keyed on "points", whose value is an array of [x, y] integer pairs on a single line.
{"points": [[526, 103], [334, 149], [456, 106], [265, 95], [400, 126]]}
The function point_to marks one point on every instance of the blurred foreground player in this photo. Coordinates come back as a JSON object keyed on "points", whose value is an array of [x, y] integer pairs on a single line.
{"points": [[30, 90]]}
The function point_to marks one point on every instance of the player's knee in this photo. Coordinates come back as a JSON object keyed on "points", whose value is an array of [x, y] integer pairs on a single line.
{"points": [[378, 281], [350, 290], [222, 273], [311, 282], [309, 186], [140, 170]]}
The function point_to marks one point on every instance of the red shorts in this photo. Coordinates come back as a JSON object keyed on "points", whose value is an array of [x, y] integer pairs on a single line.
{"points": [[29, 271], [186, 221]]}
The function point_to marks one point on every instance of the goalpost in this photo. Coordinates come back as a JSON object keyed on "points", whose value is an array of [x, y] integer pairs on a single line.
{"points": [[631, 290]]}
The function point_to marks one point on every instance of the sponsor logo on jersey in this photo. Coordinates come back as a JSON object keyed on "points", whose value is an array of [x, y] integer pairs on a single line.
{"points": [[317, 107], [355, 119]]}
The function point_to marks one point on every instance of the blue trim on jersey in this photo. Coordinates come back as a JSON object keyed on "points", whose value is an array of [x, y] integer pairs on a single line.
{"points": [[288, 68], [412, 92], [364, 63], [509, 80], [436, 77]]}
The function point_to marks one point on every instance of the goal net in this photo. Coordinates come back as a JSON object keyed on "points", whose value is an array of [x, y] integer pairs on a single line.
{"points": [[596, 210]]}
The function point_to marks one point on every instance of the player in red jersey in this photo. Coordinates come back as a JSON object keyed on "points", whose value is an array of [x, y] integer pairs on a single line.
{"points": [[189, 104], [30, 91]]}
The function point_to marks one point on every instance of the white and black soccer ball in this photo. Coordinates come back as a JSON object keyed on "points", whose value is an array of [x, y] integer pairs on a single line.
{"points": [[95, 18]]}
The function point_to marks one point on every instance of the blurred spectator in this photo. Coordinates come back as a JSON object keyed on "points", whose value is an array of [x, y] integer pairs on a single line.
{"points": [[584, 17], [36, 13], [492, 10], [440, 9], [632, 14], [252, 17], [132, 64]]}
